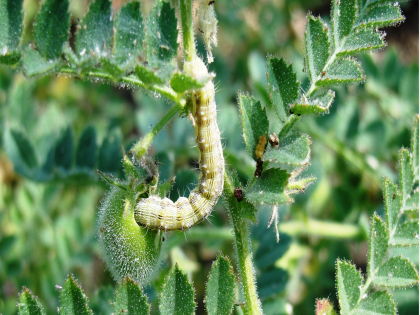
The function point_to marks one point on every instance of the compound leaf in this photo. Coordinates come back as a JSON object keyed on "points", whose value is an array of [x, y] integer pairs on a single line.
{"points": [[318, 104], [378, 244], [254, 122], [29, 304], [342, 71], [95, 33], [11, 26], [129, 299], [348, 282], [177, 296], [283, 86], [378, 303], [129, 33], [51, 29], [293, 150], [407, 234], [73, 300], [162, 33], [220, 289], [86, 149], [317, 46], [396, 272], [269, 187]]}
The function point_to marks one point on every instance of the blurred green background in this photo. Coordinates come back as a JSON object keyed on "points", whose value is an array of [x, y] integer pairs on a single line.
{"points": [[48, 230]]}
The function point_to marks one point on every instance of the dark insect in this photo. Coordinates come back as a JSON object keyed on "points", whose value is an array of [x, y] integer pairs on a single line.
{"points": [[239, 194], [102, 229], [211, 2], [393, 196], [163, 238], [259, 169], [274, 140], [323, 73]]}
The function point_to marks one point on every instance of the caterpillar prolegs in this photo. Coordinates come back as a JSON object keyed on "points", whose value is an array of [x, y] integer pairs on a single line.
{"points": [[163, 214]]}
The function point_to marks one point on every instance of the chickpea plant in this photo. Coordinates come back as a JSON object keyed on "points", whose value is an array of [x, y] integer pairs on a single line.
{"points": [[135, 216]]}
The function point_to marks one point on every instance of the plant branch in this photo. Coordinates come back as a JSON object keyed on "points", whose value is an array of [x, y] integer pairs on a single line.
{"points": [[187, 29], [140, 148], [243, 250]]}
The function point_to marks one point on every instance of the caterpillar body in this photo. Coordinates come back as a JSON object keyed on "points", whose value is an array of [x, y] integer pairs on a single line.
{"points": [[163, 214]]}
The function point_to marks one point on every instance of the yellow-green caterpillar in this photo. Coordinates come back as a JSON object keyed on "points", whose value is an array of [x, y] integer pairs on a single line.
{"points": [[163, 214]]}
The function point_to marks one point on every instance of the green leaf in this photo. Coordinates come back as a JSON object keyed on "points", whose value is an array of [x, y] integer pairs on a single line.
{"points": [[110, 66], [129, 299], [51, 29], [317, 46], [181, 82], [177, 296], [220, 289], [35, 65], [283, 86], [360, 41], [272, 282], [11, 26], [293, 150], [378, 245], [129, 33], [342, 71], [343, 16], [406, 173], [63, 156], [6, 244], [73, 300], [348, 282], [380, 16], [269, 187], [95, 33], [415, 147], [407, 234], [269, 251], [254, 122], [147, 76], [318, 104], [20, 149], [110, 153], [29, 304], [86, 149], [393, 204], [162, 33], [397, 272], [377, 303]]}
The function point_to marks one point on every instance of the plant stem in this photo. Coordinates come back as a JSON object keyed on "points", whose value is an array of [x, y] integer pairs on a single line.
{"points": [[132, 80], [140, 148], [187, 29], [288, 125], [243, 250]]}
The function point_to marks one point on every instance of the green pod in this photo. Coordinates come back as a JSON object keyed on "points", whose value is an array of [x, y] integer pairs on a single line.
{"points": [[127, 248]]}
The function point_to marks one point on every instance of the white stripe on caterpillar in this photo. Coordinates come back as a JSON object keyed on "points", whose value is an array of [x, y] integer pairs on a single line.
{"points": [[164, 214], [208, 23]]}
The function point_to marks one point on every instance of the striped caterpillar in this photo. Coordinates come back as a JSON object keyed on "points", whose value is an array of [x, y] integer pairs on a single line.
{"points": [[163, 214]]}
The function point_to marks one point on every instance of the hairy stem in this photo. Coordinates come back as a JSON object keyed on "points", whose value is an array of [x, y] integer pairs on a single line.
{"points": [[130, 80], [140, 148], [187, 29], [243, 250]]}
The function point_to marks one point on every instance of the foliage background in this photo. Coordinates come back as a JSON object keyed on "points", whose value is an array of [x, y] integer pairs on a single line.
{"points": [[49, 230]]}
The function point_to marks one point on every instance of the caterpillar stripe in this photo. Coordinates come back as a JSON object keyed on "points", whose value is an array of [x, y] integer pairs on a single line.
{"points": [[164, 214]]}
